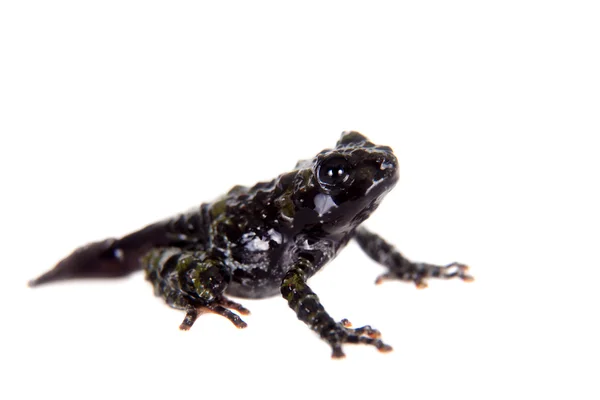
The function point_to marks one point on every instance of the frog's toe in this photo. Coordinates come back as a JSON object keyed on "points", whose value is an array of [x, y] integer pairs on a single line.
{"points": [[224, 312], [372, 341], [419, 281], [388, 276], [363, 330], [225, 302], [219, 307], [458, 270], [337, 352], [342, 333]]}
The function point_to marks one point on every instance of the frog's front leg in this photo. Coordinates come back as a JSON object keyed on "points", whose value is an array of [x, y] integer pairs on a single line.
{"points": [[309, 310], [399, 267], [192, 281]]}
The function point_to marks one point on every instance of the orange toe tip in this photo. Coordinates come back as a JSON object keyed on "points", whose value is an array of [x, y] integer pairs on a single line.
{"points": [[386, 349]]}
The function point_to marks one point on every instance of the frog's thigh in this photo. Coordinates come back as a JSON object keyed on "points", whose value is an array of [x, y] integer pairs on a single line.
{"points": [[192, 281]]}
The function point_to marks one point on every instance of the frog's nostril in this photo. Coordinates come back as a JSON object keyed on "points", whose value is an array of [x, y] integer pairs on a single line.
{"points": [[386, 165]]}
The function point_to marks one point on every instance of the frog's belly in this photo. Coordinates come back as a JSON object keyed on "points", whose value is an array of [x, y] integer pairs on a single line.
{"points": [[255, 280], [257, 274], [257, 290]]}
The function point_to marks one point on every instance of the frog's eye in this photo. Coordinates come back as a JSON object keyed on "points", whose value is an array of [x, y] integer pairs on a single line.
{"points": [[333, 171]]}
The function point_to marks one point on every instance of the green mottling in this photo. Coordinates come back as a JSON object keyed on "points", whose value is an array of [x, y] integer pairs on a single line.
{"points": [[183, 264], [290, 296], [218, 208], [236, 190], [286, 204], [306, 175]]}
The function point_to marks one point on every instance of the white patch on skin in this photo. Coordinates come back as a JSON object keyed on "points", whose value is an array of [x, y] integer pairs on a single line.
{"points": [[118, 254], [257, 244], [275, 236], [386, 165], [323, 203], [254, 243]]}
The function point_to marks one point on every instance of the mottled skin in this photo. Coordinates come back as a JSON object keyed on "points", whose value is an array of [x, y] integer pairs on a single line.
{"points": [[267, 239]]}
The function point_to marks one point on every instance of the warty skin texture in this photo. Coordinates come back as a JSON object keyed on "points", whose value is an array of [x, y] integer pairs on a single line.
{"points": [[265, 240]]}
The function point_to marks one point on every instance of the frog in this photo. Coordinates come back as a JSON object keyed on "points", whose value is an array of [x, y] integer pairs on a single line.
{"points": [[267, 240]]}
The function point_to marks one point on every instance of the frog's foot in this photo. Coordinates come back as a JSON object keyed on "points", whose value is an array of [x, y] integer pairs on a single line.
{"points": [[219, 307], [419, 272], [341, 333], [225, 302]]}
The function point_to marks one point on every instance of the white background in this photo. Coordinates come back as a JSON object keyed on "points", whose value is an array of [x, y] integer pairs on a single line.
{"points": [[114, 114]]}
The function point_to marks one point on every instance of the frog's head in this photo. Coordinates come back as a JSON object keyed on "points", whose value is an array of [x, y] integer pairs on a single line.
{"points": [[350, 180]]}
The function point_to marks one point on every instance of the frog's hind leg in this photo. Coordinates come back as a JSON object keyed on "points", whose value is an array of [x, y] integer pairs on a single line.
{"points": [[193, 281]]}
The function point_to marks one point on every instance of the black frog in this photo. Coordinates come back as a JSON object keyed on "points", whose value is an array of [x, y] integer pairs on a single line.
{"points": [[259, 241]]}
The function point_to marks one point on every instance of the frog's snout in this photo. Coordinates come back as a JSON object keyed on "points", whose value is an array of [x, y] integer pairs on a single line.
{"points": [[387, 164]]}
